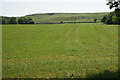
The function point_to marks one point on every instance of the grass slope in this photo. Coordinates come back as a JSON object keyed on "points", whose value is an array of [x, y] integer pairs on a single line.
{"points": [[66, 17], [60, 50]]}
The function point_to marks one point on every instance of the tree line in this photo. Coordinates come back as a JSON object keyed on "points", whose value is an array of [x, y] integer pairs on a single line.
{"points": [[14, 20], [111, 18]]}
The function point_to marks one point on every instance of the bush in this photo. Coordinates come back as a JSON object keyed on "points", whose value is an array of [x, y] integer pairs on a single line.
{"points": [[61, 22]]}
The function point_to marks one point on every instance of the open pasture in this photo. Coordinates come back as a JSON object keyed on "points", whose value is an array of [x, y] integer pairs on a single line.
{"points": [[60, 50]]}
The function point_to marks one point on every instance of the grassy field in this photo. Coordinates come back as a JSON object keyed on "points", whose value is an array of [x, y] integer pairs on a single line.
{"points": [[66, 17], [86, 50]]}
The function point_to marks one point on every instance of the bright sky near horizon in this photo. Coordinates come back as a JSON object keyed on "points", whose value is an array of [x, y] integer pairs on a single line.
{"points": [[25, 7]]}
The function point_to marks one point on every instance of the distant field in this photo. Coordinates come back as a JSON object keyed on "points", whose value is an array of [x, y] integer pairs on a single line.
{"points": [[86, 50], [66, 17]]}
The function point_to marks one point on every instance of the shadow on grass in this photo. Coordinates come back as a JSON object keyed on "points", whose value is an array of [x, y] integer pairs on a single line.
{"points": [[105, 74]]}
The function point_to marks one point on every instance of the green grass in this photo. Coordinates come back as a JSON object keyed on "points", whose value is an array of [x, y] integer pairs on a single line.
{"points": [[60, 50], [66, 17]]}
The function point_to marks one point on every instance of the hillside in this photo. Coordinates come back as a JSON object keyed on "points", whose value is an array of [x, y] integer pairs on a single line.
{"points": [[66, 17]]}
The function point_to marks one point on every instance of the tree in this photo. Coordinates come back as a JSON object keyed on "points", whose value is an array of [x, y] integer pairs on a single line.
{"points": [[5, 20], [30, 21], [13, 20], [113, 17], [104, 19], [95, 20], [21, 20], [0, 20], [117, 12], [25, 20], [116, 20], [116, 4], [109, 21], [113, 3]]}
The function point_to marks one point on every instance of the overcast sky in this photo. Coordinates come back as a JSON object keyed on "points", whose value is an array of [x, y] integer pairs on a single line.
{"points": [[25, 7]]}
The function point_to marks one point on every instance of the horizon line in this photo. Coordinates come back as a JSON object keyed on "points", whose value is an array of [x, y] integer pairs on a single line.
{"points": [[50, 12]]}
